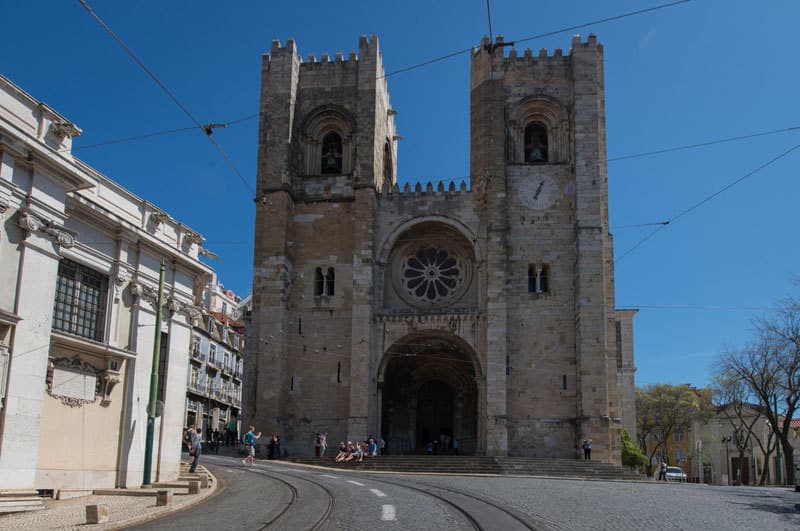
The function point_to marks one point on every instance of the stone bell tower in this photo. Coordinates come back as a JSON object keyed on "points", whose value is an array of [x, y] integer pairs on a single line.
{"points": [[327, 144], [538, 162]]}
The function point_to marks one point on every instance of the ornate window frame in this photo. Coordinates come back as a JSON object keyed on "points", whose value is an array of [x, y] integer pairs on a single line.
{"points": [[543, 110], [321, 122]]}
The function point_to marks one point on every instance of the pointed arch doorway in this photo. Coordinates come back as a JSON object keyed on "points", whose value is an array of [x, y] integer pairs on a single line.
{"points": [[429, 394]]}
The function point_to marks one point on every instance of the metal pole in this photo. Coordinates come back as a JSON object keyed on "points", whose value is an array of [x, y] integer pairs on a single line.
{"points": [[151, 405], [778, 474]]}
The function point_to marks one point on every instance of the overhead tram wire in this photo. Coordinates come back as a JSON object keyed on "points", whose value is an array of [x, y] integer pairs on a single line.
{"points": [[703, 144], [705, 200], [145, 136], [205, 128], [538, 36]]}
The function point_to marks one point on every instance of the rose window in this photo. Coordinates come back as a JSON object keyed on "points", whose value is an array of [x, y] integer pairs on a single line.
{"points": [[431, 275]]}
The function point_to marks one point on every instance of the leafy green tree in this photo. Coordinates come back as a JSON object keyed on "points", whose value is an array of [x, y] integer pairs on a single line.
{"points": [[661, 409], [632, 455]]}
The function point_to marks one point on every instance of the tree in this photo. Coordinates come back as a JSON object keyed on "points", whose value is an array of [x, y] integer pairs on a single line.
{"points": [[660, 410], [632, 455], [770, 367]]}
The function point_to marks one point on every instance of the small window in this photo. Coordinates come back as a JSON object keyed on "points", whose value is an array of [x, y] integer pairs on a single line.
{"points": [[564, 382], [544, 279], [331, 154], [535, 143], [531, 279], [319, 282], [330, 279], [678, 435]]}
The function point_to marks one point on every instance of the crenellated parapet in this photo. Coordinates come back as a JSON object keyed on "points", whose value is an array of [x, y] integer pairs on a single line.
{"points": [[502, 56], [428, 188]]}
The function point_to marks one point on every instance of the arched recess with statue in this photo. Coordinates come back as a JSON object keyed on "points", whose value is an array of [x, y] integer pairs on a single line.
{"points": [[430, 386]]}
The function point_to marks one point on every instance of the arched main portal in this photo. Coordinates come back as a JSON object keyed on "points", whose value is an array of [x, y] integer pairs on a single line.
{"points": [[429, 394]]}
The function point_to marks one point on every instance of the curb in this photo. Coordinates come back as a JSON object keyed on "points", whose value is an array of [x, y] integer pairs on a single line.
{"points": [[216, 488]]}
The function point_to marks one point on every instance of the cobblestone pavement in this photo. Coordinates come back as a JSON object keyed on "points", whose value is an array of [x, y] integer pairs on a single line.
{"points": [[574, 504], [70, 514], [557, 504]]}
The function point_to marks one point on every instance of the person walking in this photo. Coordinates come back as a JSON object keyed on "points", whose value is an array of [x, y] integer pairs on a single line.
{"points": [[587, 449], [250, 444], [195, 449], [323, 443], [662, 471]]}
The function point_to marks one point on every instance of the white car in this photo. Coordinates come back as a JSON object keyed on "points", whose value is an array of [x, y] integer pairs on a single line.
{"points": [[675, 473]]}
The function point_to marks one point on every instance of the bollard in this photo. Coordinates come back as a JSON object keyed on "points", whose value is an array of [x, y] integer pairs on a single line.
{"points": [[97, 514], [163, 497], [204, 481], [194, 487]]}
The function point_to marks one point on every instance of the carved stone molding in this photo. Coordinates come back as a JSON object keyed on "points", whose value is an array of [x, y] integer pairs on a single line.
{"points": [[31, 223], [140, 291], [3, 205], [105, 381], [190, 238], [194, 313], [62, 129], [155, 220], [120, 278], [174, 305], [73, 365]]}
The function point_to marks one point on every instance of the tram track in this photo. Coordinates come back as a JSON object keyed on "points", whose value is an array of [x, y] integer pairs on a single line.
{"points": [[469, 514], [295, 496]]}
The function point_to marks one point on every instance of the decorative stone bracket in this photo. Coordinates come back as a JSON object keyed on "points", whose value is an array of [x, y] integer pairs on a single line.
{"points": [[155, 220], [190, 238], [30, 223], [63, 129]]}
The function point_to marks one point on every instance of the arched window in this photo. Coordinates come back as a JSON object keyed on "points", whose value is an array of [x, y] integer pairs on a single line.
{"points": [[329, 282], [535, 142], [319, 282], [331, 154]]}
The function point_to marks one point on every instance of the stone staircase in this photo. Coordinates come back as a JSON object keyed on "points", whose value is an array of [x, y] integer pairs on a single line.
{"points": [[14, 501], [451, 464]]}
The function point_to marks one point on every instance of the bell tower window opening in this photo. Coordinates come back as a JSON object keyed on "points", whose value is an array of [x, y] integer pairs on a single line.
{"points": [[324, 282], [535, 142], [531, 279], [319, 282], [330, 279], [331, 154], [538, 278]]}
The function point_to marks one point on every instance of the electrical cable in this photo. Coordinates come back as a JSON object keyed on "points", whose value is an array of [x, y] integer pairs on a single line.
{"points": [[702, 144], [171, 96], [144, 136], [705, 200], [539, 36]]}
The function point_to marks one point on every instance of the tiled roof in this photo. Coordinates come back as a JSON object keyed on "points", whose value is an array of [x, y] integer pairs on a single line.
{"points": [[224, 319]]}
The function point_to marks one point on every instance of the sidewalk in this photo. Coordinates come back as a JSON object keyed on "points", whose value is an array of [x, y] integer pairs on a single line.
{"points": [[124, 509]]}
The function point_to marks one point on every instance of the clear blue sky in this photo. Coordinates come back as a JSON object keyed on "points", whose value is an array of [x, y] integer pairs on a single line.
{"points": [[700, 71]]}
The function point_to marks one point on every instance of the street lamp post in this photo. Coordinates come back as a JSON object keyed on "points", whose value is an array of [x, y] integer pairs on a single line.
{"points": [[726, 441]]}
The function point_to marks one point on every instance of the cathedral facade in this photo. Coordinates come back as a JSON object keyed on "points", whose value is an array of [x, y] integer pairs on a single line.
{"points": [[480, 310]]}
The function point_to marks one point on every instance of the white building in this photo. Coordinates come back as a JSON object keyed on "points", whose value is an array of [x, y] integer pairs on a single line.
{"points": [[79, 267]]}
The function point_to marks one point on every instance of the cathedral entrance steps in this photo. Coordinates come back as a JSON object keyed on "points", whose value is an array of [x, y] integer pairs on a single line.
{"points": [[480, 465], [14, 501]]}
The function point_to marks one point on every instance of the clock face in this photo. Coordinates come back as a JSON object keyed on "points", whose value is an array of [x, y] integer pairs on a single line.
{"points": [[539, 192]]}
